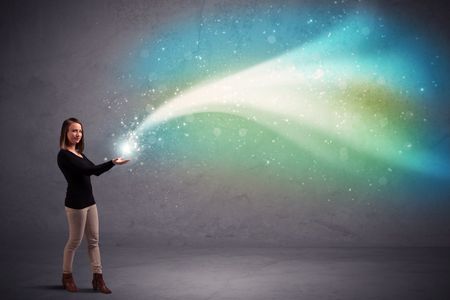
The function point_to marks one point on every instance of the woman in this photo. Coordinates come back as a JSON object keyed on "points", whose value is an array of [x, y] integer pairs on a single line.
{"points": [[81, 210]]}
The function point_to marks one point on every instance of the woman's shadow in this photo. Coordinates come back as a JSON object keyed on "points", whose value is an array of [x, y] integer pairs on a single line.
{"points": [[60, 288]]}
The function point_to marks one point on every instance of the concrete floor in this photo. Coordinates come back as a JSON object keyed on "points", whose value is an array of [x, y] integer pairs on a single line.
{"points": [[188, 273]]}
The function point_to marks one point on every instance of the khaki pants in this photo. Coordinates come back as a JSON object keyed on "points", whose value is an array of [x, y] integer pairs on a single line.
{"points": [[82, 221]]}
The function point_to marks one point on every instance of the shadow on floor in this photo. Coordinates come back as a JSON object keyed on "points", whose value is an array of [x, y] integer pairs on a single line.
{"points": [[60, 288]]}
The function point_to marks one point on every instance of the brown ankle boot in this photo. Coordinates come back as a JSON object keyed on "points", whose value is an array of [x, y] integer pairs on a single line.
{"points": [[69, 283], [99, 285]]}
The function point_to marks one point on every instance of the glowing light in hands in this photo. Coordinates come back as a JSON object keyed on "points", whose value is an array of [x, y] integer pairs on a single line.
{"points": [[126, 149], [130, 146]]}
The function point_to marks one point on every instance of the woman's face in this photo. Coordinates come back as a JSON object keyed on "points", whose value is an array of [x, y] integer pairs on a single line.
{"points": [[74, 134]]}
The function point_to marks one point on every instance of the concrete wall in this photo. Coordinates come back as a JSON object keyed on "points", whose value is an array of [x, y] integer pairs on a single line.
{"points": [[68, 58]]}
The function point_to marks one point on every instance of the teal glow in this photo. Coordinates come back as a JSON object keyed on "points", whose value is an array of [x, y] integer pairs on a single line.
{"points": [[349, 93]]}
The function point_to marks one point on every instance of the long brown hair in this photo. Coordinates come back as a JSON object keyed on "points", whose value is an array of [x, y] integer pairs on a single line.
{"points": [[63, 138]]}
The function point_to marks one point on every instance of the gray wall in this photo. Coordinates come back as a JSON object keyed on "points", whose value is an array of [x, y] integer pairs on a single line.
{"points": [[64, 58]]}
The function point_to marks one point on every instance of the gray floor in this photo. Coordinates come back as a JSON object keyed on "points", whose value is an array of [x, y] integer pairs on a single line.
{"points": [[234, 273]]}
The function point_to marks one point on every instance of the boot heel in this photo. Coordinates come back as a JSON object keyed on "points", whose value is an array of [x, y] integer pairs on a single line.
{"points": [[98, 284], [68, 283]]}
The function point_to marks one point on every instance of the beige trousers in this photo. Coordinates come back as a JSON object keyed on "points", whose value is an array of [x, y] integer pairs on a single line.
{"points": [[82, 221]]}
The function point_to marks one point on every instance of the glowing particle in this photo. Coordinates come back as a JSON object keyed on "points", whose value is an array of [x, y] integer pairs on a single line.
{"points": [[343, 154], [190, 118], [144, 53], [382, 180], [217, 131], [381, 80], [384, 122], [318, 73], [365, 31], [271, 39], [242, 132]]}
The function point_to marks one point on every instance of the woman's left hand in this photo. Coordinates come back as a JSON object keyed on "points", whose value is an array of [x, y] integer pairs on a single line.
{"points": [[120, 161]]}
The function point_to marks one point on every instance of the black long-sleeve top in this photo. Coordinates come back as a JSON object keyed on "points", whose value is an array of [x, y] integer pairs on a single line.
{"points": [[77, 172]]}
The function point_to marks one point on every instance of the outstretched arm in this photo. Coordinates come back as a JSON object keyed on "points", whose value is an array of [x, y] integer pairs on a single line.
{"points": [[71, 163]]}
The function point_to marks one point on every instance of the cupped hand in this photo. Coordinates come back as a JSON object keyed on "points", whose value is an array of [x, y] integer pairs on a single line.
{"points": [[120, 161]]}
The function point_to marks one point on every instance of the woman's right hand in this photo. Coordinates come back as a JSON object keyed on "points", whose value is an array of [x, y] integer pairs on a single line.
{"points": [[120, 161]]}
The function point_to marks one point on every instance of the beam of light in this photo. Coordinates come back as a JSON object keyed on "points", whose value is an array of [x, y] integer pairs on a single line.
{"points": [[336, 87]]}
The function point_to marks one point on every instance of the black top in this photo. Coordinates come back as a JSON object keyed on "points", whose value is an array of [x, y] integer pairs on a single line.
{"points": [[77, 171]]}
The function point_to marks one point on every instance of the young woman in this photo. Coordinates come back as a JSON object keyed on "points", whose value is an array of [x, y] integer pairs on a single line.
{"points": [[81, 210]]}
